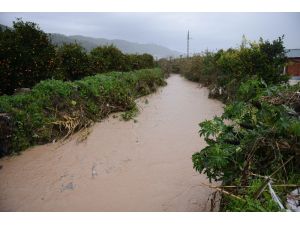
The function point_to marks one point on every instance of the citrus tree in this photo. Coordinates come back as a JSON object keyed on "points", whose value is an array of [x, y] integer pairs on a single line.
{"points": [[73, 62], [26, 56]]}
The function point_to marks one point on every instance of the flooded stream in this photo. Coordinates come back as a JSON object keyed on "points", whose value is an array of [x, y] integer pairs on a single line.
{"points": [[122, 166]]}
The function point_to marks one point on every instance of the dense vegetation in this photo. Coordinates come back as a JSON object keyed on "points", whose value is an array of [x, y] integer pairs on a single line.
{"points": [[65, 97], [261, 140], [256, 140], [72, 62], [27, 56], [55, 109], [223, 71]]}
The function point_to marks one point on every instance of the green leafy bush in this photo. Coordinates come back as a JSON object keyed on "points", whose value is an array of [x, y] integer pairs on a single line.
{"points": [[257, 134], [26, 56], [264, 204], [145, 61], [107, 58], [223, 71], [73, 62], [55, 109]]}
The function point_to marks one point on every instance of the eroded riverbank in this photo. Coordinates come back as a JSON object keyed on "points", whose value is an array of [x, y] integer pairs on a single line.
{"points": [[122, 166]]}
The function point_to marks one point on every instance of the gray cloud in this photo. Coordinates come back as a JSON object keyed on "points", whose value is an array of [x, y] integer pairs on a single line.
{"points": [[208, 30]]}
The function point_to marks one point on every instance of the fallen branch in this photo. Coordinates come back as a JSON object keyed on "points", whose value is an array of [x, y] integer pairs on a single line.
{"points": [[282, 166], [276, 185], [225, 192], [268, 178]]}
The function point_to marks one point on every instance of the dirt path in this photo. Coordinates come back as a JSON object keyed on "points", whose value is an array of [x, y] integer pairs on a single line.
{"points": [[122, 166]]}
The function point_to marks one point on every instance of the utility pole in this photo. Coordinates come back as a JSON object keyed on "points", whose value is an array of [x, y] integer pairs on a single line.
{"points": [[188, 44]]}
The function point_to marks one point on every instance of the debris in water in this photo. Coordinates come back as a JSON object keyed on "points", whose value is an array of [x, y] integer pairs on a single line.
{"points": [[194, 202], [293, 200], [83, 135], [69, 186], [94, 172], [126, 160]]}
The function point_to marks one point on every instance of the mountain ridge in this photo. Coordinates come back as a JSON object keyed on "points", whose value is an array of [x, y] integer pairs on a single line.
{"points": [[129, 47], [125, 46]]}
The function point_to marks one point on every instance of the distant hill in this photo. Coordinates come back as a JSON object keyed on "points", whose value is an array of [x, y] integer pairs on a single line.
{"points": [[125, 46], [89, 43]]}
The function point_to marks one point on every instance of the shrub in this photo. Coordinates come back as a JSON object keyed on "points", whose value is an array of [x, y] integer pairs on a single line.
{"points": [[262, 135], [26, 56], [146, 61], [73, 62], [136, 62], [223, 72], [55, 109], [107, 58]]}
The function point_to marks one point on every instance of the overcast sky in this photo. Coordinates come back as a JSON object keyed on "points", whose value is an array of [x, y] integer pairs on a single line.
{"points": [[208, 30]]}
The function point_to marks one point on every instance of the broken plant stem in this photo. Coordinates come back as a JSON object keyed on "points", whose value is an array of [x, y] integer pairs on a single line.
{"points": [[274, 185], [281, 166], [268, 178], [225, 192]]}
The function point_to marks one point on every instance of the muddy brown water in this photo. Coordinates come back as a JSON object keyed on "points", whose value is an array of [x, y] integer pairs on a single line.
{"points": [[122, 166]]}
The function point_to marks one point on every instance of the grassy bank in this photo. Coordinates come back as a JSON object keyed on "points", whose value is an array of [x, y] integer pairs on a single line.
{"points": [[55, 109]]}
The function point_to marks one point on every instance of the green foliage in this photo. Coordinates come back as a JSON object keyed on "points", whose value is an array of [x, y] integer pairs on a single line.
{"points": [[26, 56], [130, 114], [146, 61], [260, 127], [73, 62], [264, 204], [255, 135], [251, 89], [224, 71], [54, 109], [136, 62], [107, 58], [165, 66]]}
